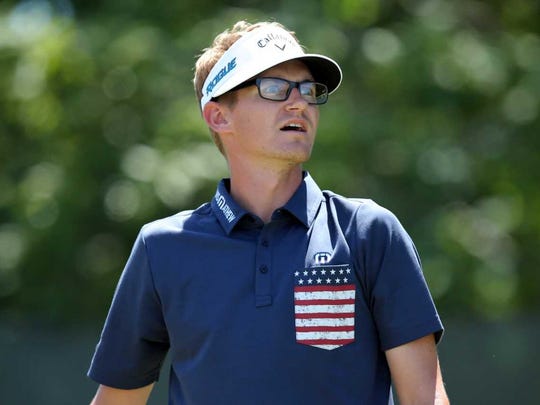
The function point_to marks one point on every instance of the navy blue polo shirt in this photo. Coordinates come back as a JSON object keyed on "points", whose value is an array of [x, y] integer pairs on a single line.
{"points": [[296, 311]]}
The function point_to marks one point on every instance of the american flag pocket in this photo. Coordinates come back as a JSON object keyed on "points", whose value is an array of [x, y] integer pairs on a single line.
{"points": [[324, 305]]}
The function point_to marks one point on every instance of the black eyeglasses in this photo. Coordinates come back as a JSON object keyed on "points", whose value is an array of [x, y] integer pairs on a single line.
{"points": [[277, 89]]}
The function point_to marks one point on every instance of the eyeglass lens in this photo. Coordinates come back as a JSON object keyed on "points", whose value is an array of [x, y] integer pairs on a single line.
{"points": [[277, 89]]}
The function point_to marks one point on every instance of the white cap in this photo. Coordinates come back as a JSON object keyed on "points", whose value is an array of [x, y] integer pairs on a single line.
{"points": [[259, 50]]}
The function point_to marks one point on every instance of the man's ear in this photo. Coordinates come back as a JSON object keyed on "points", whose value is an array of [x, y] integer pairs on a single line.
{"points": [[216, 117]]}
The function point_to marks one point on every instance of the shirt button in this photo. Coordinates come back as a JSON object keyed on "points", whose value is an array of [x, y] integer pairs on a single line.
{"points": [[265, 243], [263, 269]]}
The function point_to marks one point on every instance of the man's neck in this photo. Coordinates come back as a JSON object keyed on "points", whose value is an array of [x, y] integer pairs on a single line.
{"points": [[262, 191]]}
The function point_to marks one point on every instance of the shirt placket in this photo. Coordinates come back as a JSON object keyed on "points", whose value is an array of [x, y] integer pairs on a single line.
{"points": [[263, 267]]}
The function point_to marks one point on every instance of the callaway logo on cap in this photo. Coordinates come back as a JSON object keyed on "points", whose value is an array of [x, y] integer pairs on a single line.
{"points": [[259, 50]]}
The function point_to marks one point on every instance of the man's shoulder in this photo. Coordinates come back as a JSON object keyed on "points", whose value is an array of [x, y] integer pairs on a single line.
{"points": [[362, 210], [351, 203], [181, 221]]}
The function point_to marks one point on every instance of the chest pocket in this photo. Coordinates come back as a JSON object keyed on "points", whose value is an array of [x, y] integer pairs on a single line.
{"points": [[324, 305]]}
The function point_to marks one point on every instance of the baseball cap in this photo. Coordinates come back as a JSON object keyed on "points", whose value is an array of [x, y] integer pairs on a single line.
{"points": [[258, 50]]}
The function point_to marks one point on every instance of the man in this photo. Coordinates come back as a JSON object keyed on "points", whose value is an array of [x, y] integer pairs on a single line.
{"points": [[275, 292]]}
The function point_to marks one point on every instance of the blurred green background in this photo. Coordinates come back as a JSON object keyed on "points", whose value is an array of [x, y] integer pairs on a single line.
{"points": [[437, 119]]}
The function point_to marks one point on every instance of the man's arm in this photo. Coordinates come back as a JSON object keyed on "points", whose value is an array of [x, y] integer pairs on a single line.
{"points": [[416, 374], [114, 396]]}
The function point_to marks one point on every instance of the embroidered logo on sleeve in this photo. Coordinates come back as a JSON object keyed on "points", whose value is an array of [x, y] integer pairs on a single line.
{"points": [[324, 301]]}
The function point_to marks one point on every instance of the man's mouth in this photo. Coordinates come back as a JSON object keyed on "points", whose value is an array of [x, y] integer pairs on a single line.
{"points": [[294, 127]]}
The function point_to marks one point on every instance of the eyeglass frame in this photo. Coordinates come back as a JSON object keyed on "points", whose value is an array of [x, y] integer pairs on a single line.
{"points": [[292, 85]]}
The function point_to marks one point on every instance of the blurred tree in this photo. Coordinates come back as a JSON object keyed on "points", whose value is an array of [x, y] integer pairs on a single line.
{"points": [[437, 119]]}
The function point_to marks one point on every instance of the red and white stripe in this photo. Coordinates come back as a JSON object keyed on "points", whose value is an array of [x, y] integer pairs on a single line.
{"points": [[324, 315]]}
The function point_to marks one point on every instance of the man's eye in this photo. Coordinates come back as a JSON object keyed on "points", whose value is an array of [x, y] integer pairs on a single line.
{"points": [[273, 89], [309, 90]]}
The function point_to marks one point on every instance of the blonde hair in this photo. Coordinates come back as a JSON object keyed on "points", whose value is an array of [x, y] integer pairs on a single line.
{"points": [[211, 55]]}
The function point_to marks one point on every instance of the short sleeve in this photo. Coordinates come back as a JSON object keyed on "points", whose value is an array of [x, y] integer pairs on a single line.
{"points": [[402, 307], [134, 340]]}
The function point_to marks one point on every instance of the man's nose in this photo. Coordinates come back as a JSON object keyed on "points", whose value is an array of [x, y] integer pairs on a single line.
{"points": [[296, 101]]}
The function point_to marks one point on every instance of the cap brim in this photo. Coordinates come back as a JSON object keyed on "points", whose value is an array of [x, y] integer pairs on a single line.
{"points": [[323, 69]]}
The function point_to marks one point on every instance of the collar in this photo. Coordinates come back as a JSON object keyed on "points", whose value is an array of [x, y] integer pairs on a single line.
{"points": [[306, 200], [225, 208], [303, 205]]}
